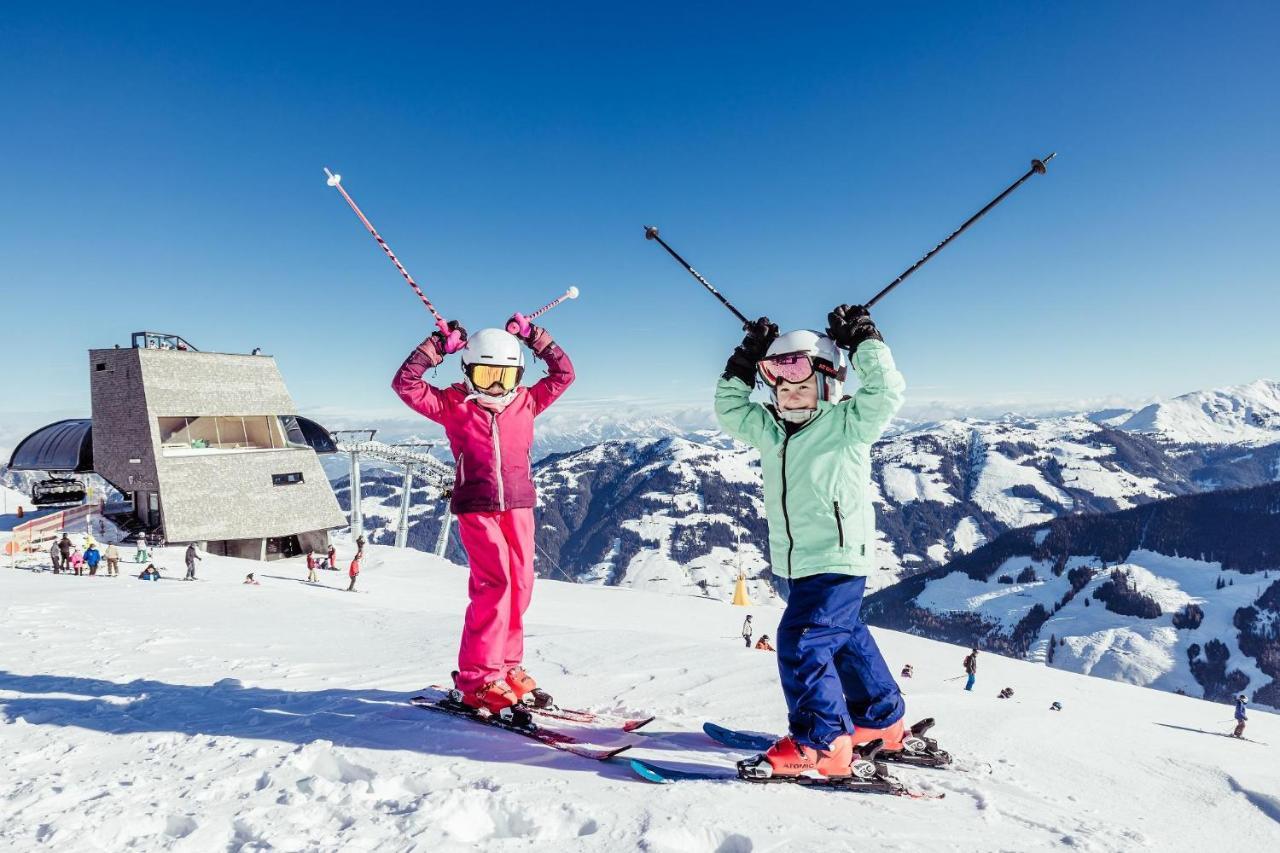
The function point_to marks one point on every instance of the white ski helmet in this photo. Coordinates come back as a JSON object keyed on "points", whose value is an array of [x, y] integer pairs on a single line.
{"points": [[493, 348], [826, 358]]}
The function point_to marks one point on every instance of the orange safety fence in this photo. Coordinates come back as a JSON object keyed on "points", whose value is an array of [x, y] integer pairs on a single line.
{"points": [[29, 535]]}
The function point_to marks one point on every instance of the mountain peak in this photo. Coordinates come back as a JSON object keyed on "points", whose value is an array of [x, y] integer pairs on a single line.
{"points": [[1238, 414]]}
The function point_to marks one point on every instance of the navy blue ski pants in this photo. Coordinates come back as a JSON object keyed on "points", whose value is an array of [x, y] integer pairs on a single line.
{"points": [[833, 675]]}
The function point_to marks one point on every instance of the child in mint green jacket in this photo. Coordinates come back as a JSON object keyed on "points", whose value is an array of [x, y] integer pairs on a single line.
{"points": [[815, 448]]}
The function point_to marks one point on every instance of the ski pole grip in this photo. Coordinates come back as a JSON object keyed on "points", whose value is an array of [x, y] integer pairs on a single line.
{"points": [[518, 325], [452, 337]]}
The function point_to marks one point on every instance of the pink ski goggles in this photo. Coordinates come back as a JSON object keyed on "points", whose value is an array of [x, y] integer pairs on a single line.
{"points": [[790, 367]]}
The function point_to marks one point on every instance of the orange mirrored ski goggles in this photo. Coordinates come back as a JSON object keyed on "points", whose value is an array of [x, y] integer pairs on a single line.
{"points": [[483, 376]]}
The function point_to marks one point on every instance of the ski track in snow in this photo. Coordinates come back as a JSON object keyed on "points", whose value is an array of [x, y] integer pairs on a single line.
{"points": [[217, 716]]}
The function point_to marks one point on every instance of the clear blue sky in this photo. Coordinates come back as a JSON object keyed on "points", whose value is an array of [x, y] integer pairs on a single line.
{"points": [[162, 169]]}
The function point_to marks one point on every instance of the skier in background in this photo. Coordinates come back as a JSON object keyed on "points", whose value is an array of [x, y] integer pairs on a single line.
{"points": [[191, 557], [248, 579], [764, 645], [488, 419], [815, 458], [77, 560], [311, 566], [1241, 717], [64, 547], [907, 671], [354, 572], [360, 546], [971, 668], [333, 558], [113, 560], [746, 630], [55, 557]]}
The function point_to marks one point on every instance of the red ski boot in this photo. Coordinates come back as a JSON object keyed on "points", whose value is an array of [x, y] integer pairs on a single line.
{"points": [[520, 682], [788, 758], [493, 697]]}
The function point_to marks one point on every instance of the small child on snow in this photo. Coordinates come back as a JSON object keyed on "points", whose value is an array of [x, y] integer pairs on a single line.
{"points": [[488, 419], [815, 458]]}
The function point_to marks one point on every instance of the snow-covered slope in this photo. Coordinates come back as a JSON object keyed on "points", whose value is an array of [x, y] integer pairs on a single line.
{"points": [[1241, 414], [217, 716]]}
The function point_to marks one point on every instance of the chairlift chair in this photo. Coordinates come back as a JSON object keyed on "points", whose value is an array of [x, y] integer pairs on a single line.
{"points": [[57, 491]]}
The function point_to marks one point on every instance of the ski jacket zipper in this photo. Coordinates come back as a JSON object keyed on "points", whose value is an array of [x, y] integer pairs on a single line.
{"points": [[497, 457], [786, 518], [839, 523]]}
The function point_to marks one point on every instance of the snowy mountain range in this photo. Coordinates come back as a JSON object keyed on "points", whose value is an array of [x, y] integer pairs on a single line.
{"points": [[682, 513], [1180, 594]]}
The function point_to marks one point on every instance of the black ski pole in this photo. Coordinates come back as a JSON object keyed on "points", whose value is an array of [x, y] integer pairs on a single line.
{"points": [[651, 233], [1037, 168]]}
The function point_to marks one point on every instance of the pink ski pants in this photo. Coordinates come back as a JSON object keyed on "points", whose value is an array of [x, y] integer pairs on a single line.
{"points": [[500, 548]]}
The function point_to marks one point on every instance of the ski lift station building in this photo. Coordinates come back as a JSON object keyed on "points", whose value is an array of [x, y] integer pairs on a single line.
{"points": [[208, 446]]}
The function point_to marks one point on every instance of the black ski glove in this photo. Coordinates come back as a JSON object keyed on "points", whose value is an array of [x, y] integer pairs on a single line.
{"points": [[850, 325], [742, 364]]}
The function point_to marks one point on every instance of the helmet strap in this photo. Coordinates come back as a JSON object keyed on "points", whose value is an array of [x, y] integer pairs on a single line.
{"points": [[796, 416]]}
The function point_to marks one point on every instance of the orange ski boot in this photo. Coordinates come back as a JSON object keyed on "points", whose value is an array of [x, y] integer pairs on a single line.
{"points": [[520, 682], [493, 697], [891, 734], [788, 758]]}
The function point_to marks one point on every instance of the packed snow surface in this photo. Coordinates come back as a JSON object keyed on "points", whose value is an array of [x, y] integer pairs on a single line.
{"points": [[218, 716]]}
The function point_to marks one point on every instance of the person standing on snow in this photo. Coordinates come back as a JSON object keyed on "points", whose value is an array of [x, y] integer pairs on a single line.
{"points": [[815, 459], [354, 572], [333, 558], [1241, 717], [76, 560], [91, 559], [747, 630], [488, 419], [971, 668], [191, 556], [113, 560], [64, 547], [55, 557], [311, 566]]}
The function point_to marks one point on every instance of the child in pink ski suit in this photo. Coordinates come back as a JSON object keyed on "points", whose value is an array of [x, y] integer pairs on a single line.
{"points": [[491, 436]]}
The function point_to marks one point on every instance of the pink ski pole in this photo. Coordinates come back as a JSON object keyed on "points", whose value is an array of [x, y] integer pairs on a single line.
{"points": [[519, 323], [452, 339]]}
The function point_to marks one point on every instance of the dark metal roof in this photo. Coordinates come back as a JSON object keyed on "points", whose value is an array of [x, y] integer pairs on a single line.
{"points": [[64, 446], [317, 436]]}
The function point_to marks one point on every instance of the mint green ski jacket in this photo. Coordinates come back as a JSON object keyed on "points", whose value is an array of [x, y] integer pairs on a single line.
{"points": [[817, 481]]}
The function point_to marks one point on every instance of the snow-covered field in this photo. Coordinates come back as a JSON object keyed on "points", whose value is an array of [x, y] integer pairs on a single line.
{"points": [[213, 715]]}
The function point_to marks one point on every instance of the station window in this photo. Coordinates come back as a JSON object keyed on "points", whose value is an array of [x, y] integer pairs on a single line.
{"points": [[222, 432], [286, 479]]}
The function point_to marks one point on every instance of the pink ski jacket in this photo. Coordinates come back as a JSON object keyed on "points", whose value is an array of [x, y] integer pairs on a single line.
{"points": [[493, 453]]}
